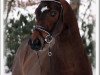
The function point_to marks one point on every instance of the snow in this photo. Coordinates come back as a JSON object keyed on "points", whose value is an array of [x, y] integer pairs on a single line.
{"points": [[94, 71], [17, 11], [8, 73]]}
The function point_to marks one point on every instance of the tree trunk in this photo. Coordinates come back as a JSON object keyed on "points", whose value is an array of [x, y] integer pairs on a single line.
{"points": [[75, 6]]}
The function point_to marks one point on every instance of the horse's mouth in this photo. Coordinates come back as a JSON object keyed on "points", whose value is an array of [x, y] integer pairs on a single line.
{"points": [[37, 44]]}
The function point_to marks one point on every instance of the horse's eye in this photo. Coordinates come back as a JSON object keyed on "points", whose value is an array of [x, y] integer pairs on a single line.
{"points": [[53, 13]]}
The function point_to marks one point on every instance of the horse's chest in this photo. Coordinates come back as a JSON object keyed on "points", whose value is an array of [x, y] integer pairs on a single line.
{"points": [[37, 64]]}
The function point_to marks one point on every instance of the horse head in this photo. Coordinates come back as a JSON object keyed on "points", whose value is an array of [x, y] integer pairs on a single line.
{"points": [[51, 20]]}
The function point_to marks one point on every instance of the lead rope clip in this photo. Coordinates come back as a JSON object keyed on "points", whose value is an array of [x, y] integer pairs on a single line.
{"points": [[48, 39]]}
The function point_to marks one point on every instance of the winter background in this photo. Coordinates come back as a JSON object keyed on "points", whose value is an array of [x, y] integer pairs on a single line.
{"points": [[19, 20]]}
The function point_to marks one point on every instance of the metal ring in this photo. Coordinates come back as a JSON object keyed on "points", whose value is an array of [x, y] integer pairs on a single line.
{"points": [[50, 54], [48, 39]]}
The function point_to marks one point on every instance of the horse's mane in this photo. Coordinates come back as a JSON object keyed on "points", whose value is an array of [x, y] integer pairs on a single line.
{"points": [[70, 24]]}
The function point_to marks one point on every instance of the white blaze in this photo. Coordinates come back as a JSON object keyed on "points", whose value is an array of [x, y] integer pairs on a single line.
{"points": [[44, 9]]}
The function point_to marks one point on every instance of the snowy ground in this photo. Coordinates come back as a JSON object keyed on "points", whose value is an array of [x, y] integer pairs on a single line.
{"points": [[8, 73]]}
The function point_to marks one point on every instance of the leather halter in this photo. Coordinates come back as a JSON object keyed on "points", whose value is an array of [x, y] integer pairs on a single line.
{"points": [[50, 35], [48, 39]]}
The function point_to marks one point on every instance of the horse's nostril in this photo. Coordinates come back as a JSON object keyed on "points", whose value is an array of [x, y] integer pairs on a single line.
{"points": [[36, 44]]}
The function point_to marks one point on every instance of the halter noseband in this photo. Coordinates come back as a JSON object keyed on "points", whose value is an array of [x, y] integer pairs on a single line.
{"points": [[48, 38]]}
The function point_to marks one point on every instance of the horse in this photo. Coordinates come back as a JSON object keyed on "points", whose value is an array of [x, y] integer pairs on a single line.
{"points": [[55, 46]]}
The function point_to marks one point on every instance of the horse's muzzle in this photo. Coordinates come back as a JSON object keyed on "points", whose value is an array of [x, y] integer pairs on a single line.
{"points": [[36, 44]]}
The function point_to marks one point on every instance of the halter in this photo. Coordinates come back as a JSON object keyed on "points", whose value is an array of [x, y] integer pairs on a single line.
{"points": [[49, 38]]}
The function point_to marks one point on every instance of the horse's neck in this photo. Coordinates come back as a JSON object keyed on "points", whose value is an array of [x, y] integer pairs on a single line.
{"points": [[69, 55]]}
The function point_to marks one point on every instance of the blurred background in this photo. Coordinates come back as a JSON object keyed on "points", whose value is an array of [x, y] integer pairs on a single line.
{"points": [[19, 21]]}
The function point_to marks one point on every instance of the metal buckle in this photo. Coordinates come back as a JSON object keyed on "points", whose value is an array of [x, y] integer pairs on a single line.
{"points": [[49, 39]]}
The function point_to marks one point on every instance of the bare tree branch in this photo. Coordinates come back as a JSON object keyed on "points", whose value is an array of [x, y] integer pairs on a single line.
{"points": [[86, 12], [9, 9], [75, 6]]}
